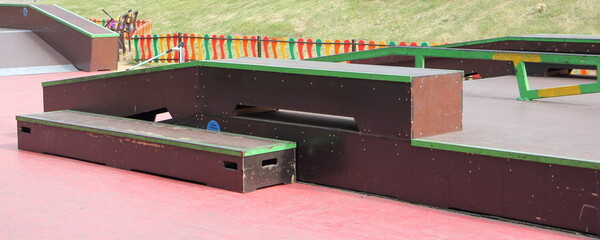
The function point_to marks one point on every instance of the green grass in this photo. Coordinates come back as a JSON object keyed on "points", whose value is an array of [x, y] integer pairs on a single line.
{"points": [[399, 20]]}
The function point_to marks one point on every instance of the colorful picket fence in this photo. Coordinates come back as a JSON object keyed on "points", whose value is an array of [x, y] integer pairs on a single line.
{"points": [[142, 27], [206, 47]]}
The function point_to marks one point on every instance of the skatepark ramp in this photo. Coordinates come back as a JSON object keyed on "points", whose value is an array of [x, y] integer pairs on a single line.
{"points": [[47, 38], [419, 135], [26, 53]]}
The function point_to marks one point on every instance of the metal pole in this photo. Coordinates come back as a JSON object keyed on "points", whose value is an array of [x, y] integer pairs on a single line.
{"points": [[181, 48], [110, 20], [181, 53], [353, 45], [259, 47]]}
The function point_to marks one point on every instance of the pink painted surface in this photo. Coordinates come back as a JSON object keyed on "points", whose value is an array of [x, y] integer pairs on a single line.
{"points": [[49, 197]]}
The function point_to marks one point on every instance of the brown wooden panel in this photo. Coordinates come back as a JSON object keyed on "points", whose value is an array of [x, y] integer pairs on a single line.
{"points": [[175, 90], [223, 90], [436, 105], [546, 194]]}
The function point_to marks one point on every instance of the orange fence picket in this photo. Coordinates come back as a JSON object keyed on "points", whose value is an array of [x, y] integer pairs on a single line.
{"points": [[148, 47], [266, 46], [347, 46], [327, 47], [372, 45], [361, 45], [282, 47], [253, 45], [170, 54], [336, 46], [236, 43], [245, 43], [309, 46], [143, 51], [274, 46], [214, 46], [186, 54], [301, 48], [161, 45], [193, 47], [222, 46]]}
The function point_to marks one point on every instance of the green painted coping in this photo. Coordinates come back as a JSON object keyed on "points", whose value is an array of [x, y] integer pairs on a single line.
{"points": [[110, 34], [518, 38], [278, 146], [73, 26], [123, 73], [525, 156], [306, 71], [14, 5], [240, 66]]}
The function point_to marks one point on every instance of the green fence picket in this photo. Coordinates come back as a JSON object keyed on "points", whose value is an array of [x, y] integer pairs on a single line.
{"points": [[318, 45], [206, 48], [229, 48], [136, 42], [291, 45]]}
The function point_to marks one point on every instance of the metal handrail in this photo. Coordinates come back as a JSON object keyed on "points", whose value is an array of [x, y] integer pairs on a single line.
{"points": [[179, 48]]}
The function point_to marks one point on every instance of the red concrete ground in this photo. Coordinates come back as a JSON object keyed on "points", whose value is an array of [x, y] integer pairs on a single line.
{"points": [[48, 197]]}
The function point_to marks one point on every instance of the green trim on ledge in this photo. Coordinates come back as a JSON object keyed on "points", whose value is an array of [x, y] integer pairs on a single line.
{"points": [[122, 73], [14, 5], [104, 35], [227, 65], [278, 146], [381, 52], [306, 71], [525, 156]]}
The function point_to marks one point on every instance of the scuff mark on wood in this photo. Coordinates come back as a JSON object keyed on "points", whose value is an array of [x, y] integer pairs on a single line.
{"points": [[144, 143]]}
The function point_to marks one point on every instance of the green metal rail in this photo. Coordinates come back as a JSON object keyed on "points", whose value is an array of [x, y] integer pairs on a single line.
{"points": [[518, 58]]}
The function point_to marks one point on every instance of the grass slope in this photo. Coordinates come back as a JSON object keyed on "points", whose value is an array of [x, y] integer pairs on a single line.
{"points": [[397, 20]]}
